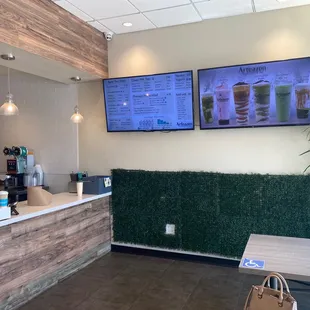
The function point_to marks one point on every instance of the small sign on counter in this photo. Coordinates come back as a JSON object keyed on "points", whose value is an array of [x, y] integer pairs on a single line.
{"points": [[253, 263]]}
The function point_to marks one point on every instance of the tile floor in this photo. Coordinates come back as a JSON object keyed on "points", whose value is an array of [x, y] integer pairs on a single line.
{"points": [[128, 282]]}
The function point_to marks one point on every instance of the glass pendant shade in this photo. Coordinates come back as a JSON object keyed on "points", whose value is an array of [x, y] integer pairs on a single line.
{"points": [[9, 108], [77, 117]]}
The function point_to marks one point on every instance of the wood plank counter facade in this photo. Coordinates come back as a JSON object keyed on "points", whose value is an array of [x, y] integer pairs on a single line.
{"points": [[37, 253], [43, 28]]}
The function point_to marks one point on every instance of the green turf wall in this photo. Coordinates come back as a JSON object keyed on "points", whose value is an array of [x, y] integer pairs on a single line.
{"points": [[214, 213]]}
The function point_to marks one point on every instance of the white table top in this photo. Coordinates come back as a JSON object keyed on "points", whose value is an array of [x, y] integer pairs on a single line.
{"points": [[60, 201], [286, 255]]}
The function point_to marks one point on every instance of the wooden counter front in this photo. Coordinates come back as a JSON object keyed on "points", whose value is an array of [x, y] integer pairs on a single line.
{"points": [[37, 253]]}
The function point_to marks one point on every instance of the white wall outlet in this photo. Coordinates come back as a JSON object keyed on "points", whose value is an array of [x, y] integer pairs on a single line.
{"points": [[170, 229]]}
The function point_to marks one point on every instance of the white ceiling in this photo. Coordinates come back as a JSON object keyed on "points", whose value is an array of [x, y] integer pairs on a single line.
{"points": [[109, 15]]}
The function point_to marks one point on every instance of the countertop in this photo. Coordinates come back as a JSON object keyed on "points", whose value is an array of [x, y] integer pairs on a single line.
{"points": [[60, 201], [18, 190]]}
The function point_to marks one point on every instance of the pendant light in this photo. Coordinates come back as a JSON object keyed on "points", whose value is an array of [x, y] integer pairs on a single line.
{"points": [[9, 108], [77, 117]]}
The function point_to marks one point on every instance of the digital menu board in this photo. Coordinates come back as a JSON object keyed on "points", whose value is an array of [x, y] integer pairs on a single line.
{"points": [[160, 102], [264, 94]]}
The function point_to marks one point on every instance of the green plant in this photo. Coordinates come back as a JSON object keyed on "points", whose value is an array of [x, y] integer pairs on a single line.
{"points": [[307, 131]]}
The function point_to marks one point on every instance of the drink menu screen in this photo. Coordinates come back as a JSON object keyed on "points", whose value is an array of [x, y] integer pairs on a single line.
{"points": [[264, 94], [159, 102]]}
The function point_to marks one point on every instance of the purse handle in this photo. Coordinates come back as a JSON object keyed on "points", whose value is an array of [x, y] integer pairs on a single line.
{"points": [[261, 289], [283, 280]]}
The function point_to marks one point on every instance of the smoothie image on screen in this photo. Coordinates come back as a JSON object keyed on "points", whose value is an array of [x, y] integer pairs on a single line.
{"points": [[207, 102], [242, 102], [283, 101], [222, 94], [261, 91], [302, 92]]}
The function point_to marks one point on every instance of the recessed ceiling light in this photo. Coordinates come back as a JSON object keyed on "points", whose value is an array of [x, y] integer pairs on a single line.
{"points": [[127, 24], [9, 56], [76, 79]]}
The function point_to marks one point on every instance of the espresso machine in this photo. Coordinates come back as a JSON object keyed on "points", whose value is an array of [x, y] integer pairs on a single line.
{"points": [[19, 160]]}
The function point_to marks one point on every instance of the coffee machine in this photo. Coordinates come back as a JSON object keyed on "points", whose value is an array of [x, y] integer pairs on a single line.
{"points": [[19, 160], [21, 174]]}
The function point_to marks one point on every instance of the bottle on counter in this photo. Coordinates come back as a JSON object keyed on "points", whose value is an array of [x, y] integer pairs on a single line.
{"points": [[27, 179], [34, 179], [39, 175]]}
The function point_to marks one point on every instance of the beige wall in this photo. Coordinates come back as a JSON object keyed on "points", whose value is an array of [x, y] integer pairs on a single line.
{"points": [[236, 40], [43, 125]]}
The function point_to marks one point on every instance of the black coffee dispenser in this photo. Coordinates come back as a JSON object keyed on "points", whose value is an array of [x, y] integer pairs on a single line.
{"points": [[14, 181]]}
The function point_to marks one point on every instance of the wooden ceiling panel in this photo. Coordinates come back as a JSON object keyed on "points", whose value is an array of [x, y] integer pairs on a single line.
{"points": [[45, 29]]}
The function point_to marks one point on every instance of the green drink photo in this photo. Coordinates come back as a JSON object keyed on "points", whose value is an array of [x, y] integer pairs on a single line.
{"points": [[261, 90], [283, 101], [207, 102]]}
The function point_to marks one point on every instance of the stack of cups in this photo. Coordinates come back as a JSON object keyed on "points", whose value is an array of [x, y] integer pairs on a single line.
{"points": [[3, 199]]}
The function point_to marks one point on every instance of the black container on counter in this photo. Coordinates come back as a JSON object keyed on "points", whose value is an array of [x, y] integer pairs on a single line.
{"points": [[97, 184], [75, 177]]}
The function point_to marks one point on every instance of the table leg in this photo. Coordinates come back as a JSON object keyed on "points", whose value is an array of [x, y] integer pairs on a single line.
{"points": [[273, 283]]}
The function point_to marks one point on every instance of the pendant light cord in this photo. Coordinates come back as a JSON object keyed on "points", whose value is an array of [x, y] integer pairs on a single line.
{"points": [[9, 82], [76, 109]]}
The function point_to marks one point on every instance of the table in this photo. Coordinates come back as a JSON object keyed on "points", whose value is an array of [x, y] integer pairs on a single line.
{"points": [[286, 255]]}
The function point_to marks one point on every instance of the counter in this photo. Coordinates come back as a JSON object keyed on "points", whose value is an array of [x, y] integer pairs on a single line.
{"points": [[44, 245], [60, 202]]}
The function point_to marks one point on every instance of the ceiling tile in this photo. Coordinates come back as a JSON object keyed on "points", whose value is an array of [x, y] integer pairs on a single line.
{"points": [[174, 16], [99, 26], [266, 5], [149, 5], [105, 8], [139, 22], [221, 8], [74, 10]]}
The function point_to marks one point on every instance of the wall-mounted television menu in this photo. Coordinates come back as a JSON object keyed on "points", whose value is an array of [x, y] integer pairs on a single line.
{"points": [[160, 102], [263, 94]]}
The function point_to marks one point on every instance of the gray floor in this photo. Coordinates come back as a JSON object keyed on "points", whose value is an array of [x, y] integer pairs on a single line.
{"points": [[123, 282]]}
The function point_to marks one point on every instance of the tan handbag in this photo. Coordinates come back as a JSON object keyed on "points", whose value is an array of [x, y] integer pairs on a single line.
{"points": [[266, 298]]}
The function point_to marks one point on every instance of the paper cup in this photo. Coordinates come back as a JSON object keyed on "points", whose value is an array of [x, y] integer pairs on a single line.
{"points": [[4, 198], [79, 189]]}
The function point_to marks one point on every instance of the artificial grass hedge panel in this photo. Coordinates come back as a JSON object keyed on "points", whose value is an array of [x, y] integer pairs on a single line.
{"points": [[214, 213]]}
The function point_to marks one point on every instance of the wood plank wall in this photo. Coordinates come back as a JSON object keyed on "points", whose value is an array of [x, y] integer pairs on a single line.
{"points": [[43, 28], [35, 254]]}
